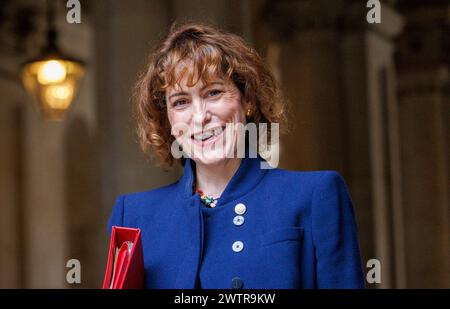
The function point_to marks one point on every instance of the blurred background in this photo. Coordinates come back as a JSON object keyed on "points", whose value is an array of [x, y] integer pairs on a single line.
{"points": [[368, 100]]}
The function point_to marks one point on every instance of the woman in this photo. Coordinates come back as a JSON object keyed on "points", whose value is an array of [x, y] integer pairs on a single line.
{"points": [[228, 222]]}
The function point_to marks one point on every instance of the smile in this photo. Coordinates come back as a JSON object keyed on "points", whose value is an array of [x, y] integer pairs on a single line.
{"points": [[207, 137]]}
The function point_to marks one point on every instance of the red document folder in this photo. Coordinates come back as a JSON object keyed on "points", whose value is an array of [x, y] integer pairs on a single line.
{"points": [[125, 267]]}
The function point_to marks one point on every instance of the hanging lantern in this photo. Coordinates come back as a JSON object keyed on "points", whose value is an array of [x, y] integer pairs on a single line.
{"points": [[52, 79]]}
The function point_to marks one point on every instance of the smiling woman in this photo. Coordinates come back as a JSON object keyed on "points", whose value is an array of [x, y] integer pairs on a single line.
{"points": [[227, 222], [223, 69]]}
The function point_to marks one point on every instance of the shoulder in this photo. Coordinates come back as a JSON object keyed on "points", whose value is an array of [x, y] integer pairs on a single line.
{"points": [[314, 180], [301, 192], [151, 195], [143, 203]]}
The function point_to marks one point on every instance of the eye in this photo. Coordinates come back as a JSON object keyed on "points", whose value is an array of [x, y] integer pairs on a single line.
{"points": [[179, 103], [214, 92]]}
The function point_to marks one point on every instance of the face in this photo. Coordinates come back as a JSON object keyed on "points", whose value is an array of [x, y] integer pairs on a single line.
{"points": [[203, 118]]}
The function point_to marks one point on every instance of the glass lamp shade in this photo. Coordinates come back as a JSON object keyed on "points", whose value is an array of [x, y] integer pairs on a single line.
{"points": [[53, 84]]}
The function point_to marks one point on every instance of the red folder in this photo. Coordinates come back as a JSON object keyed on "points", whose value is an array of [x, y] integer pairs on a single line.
{"points": [[125, 267]]}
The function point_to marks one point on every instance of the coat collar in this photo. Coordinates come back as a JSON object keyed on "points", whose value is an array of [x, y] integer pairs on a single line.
{"points": [[246, 177]]}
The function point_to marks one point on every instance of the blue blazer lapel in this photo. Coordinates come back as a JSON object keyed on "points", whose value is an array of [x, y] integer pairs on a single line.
{"points": [[192, 241]]}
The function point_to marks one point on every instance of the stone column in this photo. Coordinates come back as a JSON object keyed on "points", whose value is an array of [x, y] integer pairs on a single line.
{"points": [[337, 72], [383, 124], [60, 205], [124, 35], [11, 175], [12, 133], [424, 79]]}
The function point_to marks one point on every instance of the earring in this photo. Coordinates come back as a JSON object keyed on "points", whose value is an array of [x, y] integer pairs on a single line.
{"points": [[248, 112]]}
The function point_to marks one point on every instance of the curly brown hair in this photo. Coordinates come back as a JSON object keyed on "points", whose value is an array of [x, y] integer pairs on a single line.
{"points": [[210, 52]]}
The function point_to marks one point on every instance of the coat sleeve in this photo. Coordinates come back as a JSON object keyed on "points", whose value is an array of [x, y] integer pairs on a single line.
{"points": [[116, 218], [335, 235]]}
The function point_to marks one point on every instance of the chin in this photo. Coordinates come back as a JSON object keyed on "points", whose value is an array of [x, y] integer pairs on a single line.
{"points": [[209, 158], [212, 157], [210, 162]]}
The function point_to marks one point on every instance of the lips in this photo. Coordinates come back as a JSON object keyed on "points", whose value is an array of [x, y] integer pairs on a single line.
{"points": [[208, 136]]}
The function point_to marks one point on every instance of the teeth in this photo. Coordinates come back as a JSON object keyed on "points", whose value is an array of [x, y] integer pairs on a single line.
{"points": [[208, 134]]}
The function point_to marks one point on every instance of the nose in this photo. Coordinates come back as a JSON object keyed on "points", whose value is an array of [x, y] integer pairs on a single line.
{"points": [[201, 114]]}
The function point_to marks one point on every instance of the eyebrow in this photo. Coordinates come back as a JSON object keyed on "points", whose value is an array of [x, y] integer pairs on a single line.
{"points": [[181, 93]]}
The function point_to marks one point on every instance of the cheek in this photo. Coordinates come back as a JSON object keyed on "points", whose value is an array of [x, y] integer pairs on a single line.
{"points": [[237, 113], [230, 109], [179, 123], [171, 117]]}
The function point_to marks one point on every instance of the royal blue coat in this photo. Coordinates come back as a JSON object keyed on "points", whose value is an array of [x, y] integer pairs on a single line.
{"points": [[298, 231]]}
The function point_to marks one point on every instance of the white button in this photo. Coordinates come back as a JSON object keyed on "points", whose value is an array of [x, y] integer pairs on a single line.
{"points": [[240, 209], [238, 246], [238, 220]]}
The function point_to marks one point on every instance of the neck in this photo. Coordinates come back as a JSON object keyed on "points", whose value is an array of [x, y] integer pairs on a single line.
{"points": [[212, 179]]}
